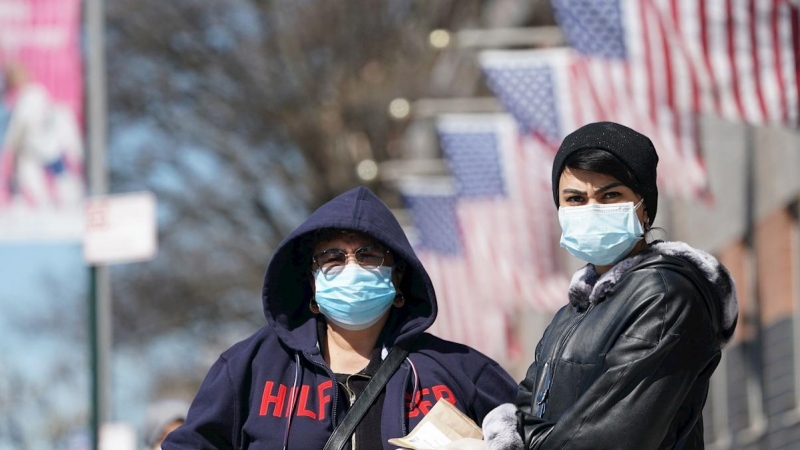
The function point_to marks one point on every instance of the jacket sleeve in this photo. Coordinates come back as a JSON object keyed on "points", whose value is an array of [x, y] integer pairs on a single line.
{"points": [[212, 419], [493, 386], [666, 343]]}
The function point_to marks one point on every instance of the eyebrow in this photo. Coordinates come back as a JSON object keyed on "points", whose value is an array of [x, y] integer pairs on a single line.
{"points": [[611, 185], [608, 186]]}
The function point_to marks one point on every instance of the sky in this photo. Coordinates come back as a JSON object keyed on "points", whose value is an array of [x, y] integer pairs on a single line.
{"points": [[36, 280]]}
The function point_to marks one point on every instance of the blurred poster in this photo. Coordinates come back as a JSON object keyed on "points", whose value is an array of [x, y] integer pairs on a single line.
{"points": [[41, 147]]}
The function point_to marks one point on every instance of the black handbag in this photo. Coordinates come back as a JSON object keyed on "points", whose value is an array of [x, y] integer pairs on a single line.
{"points": [[345, 429]]}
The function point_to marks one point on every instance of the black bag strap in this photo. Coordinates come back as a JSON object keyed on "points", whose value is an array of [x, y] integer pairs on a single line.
{"points": [[387, 368]]}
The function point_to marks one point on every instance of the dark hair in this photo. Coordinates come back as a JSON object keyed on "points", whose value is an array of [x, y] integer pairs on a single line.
{"points": [[602, 161]]}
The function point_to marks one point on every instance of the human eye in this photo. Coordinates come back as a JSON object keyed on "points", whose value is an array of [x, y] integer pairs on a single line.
{"points": [[574, 199], [612, 195], [370, 256], [330, 258]]}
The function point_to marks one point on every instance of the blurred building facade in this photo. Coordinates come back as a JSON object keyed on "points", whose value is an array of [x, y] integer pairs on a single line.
{"points": [[750, 220]]}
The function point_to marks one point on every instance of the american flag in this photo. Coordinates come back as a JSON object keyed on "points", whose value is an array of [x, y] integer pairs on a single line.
{"points": [[490, 241], [438, 243], [505, 212], [552, 92], [739, 59]]}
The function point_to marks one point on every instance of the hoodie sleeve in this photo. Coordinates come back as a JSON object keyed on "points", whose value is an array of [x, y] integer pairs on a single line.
{"points": [[211, 422], [655, 363], [493, 386]]}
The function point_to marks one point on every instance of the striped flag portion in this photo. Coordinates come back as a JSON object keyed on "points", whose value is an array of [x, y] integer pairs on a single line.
{"points": [[463, 316], [738, 59]]}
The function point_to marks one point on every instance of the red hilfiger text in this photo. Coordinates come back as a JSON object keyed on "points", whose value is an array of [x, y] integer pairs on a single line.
{"points": [[314, 401]]}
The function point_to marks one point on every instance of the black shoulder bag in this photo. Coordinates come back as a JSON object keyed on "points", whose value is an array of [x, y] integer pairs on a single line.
{"points": [[345, 429]]}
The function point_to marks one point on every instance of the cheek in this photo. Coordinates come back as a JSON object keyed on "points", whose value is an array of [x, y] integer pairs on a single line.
{"points": [[642, 215]]}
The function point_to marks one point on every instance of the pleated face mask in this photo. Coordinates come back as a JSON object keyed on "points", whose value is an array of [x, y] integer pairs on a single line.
{"points": [[355, 297], [600, 234]]}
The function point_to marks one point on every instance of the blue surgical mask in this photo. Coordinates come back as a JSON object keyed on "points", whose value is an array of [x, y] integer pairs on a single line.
{"points": [[600, 234], [355, 298]]}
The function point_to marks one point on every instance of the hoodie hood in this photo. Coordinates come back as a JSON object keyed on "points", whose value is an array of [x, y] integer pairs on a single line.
{"points": [[588, 287], [287, 283]]}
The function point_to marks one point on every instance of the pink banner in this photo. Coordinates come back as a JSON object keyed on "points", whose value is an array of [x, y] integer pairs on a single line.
{"points": [[41, 146]]}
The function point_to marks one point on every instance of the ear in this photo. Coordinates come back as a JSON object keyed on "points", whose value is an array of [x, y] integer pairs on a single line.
{"points": [[397, 274], [399, 300]]}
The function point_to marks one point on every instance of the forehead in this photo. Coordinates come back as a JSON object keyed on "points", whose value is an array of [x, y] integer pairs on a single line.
{"points": [[583, 179], [345, 240]]}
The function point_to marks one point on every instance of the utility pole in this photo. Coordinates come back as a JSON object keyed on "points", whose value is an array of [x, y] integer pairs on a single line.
{"points": [[99, 307]]}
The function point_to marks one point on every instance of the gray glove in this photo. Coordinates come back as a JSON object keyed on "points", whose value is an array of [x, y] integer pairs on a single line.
{"points": [[500, 428]]}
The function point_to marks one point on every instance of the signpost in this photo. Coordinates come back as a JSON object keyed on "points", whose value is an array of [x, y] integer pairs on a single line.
{"points": [[120, 228]]}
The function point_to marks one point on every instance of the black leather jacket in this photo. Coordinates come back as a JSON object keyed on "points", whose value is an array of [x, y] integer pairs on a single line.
{"points": [[627, 364]]}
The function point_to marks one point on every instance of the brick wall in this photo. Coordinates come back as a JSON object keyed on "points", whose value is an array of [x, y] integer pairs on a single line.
{"points": [[762, 358]]}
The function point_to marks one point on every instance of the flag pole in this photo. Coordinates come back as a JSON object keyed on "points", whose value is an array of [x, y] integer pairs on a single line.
{"points": [[752, 316], [99, 299]]}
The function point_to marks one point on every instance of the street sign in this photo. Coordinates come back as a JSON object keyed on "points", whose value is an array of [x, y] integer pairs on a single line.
{"points": [[120, 228]]}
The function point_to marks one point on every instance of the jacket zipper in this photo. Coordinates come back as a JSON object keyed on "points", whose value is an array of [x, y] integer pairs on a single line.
{"points": [[541, 398], [335, 391], [549, 366], [351, 398]]}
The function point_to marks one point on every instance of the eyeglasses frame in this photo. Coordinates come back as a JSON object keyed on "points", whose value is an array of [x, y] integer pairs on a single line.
{"points": [[347, 255]]}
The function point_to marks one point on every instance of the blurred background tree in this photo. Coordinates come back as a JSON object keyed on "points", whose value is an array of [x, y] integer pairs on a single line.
{"points": [[243, 117]]}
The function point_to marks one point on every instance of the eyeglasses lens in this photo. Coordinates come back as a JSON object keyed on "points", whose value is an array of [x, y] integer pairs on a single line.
{"points": [[333, 261]]}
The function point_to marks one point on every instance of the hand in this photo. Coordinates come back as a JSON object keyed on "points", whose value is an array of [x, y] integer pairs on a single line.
{"points": [[465, 444], [500, 428]]}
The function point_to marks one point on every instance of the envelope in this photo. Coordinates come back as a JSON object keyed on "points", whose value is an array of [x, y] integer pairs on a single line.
{"points": [[443, 424]]}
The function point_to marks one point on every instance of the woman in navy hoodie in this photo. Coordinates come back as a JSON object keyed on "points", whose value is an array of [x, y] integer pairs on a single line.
{"points": [[340, 292]]}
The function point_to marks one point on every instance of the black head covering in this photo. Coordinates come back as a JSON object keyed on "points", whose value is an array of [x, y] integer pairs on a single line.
{"points": [[634, 149]]}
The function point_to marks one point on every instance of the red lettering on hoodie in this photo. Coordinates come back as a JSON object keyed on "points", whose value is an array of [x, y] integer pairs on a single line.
{"points": [[324, 398], [426, 398], [441, 391], [302, 406], [267, 398]]}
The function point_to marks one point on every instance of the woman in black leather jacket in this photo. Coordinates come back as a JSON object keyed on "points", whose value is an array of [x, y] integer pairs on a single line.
{"points": [[626, 364]]}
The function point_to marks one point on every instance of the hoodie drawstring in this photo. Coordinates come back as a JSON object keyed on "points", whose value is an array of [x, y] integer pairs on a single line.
{"points": [[292, 401], [414, 401]]}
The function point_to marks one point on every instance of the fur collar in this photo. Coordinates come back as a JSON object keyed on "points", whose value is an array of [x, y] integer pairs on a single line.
{"points": [[587, 286]]}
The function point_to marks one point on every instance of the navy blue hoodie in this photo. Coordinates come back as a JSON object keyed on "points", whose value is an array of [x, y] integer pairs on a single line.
{"points": [[245, 401]]}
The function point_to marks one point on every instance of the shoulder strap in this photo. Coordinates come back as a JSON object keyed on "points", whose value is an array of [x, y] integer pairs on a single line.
{"points": [[345, 429]]}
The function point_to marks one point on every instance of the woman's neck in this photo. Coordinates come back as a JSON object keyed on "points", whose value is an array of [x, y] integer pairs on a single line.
{"points": [[349, 351]]}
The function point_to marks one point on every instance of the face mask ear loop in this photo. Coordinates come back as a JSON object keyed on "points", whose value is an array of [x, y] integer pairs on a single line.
{"points": [[635, 207]]}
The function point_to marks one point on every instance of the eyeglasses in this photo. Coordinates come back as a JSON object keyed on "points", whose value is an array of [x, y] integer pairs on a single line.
{"points": [[333, 261]]}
